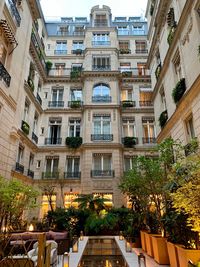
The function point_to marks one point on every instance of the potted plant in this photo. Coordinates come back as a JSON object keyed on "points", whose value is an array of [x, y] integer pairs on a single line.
{"points": [[128, 104], [129, 141], [126, 74], [75, 104], [74, 142], [171, 34], [25, 127], [48, 66], [158, 71], [163, 118], [31, 83], [179, 90], [75, 74]]}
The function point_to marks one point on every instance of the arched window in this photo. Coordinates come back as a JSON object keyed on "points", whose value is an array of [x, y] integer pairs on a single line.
{"points": [[101, 93]]}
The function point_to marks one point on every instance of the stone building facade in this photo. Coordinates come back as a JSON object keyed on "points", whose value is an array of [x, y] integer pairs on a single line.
{"points": [[75, 100]]}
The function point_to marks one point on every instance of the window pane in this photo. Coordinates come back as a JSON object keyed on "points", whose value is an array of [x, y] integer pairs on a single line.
{"points": [[97, 163], [106, 163], [69, 165], [48, 165]]}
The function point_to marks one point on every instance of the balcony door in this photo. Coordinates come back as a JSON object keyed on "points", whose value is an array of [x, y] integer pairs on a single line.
{"points": [[52, 165], [54, 131], [102, 125]]}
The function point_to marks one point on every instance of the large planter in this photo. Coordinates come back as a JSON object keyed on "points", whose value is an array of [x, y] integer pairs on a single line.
{"points": [[184, 255], [143, 241], [173, 256], [149, 246], [160, 250]]}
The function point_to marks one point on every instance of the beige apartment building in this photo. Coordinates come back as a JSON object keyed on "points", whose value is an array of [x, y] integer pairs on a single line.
{"points": [[174, 61], [75, 100]]}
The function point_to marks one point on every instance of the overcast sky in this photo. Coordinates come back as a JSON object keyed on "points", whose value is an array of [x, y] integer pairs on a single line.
{"points": [[81, 8]]}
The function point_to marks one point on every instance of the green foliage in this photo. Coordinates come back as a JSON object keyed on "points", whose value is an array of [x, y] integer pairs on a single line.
{"points": [[127, 104], [15, 199], [74, 142], [171, 34], [48, 66], [126, 74], [75, 74], [25, 127], [124, 51], [129, 141], [179, 90], [158, 71], [163, 118], [151, 9], [31, 83], [75, 104]]}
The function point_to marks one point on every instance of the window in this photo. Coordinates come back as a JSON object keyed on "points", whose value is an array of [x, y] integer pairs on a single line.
{"points": [[163, 99], [102, 124], [141, 47], [108, 196], [128, 163], [31, 160], [38, 164], [125, 67], [78, 45], [126, 94], [46, 205], [99, 39], [45, 95], [138, 29], [101, 93], [76, 66], [100, 20], [26, 111], [190, 128], [148, 130], [129, 127], [54, 132], [61, 48], [60, 68], [123, 30], [62, 30], [74, 127], [35, 123], [48, 46], [52, 165], [124, 46], [20, 154], [102, 165], [142, 69], [79, 30], [70, 200], [76, 94], [42, 130], [177, 66], [145, 96], [72, 167], [101, 63], [57, 98]]}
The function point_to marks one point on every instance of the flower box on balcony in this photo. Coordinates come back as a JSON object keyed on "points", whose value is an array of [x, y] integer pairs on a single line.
{"points": [[163, 118], [75, 74], [78, 51], [75, 104], [128, 104], [126, 74], [129, 141], [179, 90], [171, 34], [124, 51], [74, 142], [25, 127], [158, 71], [31, 83]]}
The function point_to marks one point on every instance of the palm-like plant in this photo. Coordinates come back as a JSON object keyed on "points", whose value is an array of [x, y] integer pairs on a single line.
{"points": [[91, 202]]}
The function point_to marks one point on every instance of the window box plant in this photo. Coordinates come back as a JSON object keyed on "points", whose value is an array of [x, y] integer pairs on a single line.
{"points": [[25, 127], [129, 141], [75, 74], [163, 118], [124, 51], [179, 90], [171, 34], [78, 51], [75, 104], [48, 66], [126, 73], [128, 104], [31, 83], [74, 142], [158, 71]]}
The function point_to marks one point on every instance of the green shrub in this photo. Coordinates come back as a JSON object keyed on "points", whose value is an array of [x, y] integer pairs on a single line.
{"points": [[74, 142], [163, 118], [179, 90], [130, 141], [25, 127], [31, 83], [171, 34]]}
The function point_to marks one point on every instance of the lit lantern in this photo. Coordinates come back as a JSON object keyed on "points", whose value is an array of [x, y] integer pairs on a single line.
{"points": [[66, 259], [31, 227], [128, 245], [75, 245], [81, 236], [121, 236]]}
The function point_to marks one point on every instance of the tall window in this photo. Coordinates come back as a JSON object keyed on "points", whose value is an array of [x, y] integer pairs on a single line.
{"points": [[145, 96], [102, 124], [54, 131], [100, 20], [123, 30], [101, 93], [62, 30], [76, 94], [126, 94], [35, 124], [78, 45], [52, 165], [129, 127], [142, 69], [70, 200], [148, 130], [60, 68], [31, 160], [101, 63], [74, 127], [73, 167], [101, 39], [20, 154], [177, 66], [45, 207], [26, 111], [102, 162], [141, 47], [57, 95], [124, 47], [190, 128], [128, 163], [61, 48], [163, 99]]}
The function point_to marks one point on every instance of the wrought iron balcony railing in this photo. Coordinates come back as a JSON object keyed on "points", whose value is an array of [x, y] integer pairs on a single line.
{"points": [[146, 103], [60, 52], [131, 72], [128, 104], [19, 167], [56, 104], [102, 98], [141, 51], [72, 175], [78, 51], [75, 104], [149, 140], [53, 141], [34, 137], [101, 68], [50, 175], [14, 11], [30, 173], [100, 43], [67, 33], [102, 137], [4, 75], [39, 99], [102, 173]]}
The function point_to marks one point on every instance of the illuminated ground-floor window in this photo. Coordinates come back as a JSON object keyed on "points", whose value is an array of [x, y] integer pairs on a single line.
{"points": [[109, 198], [46, 204], [70, 200]]}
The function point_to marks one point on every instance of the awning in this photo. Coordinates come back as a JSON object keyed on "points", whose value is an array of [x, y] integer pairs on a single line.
{"points": [[8, 32]]}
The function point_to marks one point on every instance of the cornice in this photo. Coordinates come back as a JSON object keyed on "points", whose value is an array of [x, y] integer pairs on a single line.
{"points": [[8, 98]]}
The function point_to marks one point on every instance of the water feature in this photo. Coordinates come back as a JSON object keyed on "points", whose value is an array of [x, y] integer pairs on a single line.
{"points": [[102, 252]]}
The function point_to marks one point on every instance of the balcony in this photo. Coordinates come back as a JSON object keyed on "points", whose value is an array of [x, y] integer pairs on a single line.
{"points": [[67, 33], [73, 141], [4, 75], [148, 140], [75, 104], [100, 23], [101, 99], [14, 11], [39, 99], [141, 51], [19, 167], [39, 49], [30, 173], [34, 137], [59, 72], [60, 52], [101, 173], [128, 104], [72, 175], [25, 127], [124, 51], [53, 141], [101, 68], [134, 72], [56, 104], [50, 175], [77, 51], [100, 43], [146, 103], [101, 137], [129, 142]]}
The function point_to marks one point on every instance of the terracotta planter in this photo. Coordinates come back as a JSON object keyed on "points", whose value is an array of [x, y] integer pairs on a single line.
{"points": [[160, 250], [149, 246], [173, 255], [137, 243], [143, 241], [184, 255]]}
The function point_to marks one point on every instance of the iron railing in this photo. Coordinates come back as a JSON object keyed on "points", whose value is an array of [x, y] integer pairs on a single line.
{"points": [[101, 68], [50, 175], [19, 167], [34, 137], [102, 137], [30, 173], [129, 72], [102, 98], [146, 103], [149, 140], [72, 175], [102, 173], [14, 11], [53, 141], [56, 104], [60, 52], [141, 51], [4, 75], [39, 99], [100, 43]]}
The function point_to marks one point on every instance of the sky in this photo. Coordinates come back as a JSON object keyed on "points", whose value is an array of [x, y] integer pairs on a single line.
{"points": [[81, 8]]}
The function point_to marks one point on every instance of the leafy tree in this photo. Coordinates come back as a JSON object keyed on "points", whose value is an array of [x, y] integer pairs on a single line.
{"points": [[49, 191], [15, 199]]}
